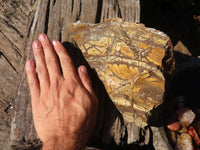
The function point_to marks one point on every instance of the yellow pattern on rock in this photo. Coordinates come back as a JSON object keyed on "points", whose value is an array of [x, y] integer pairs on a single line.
{"points": [[122, 71], [156, 55], [127, 51], [128, 59]]}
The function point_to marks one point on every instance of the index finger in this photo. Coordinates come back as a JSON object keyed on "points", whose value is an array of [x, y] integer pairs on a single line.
{"points": [[65, 60]]}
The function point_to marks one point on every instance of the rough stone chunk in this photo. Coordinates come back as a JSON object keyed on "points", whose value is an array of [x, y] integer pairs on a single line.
{"points": [[184, 142], [186, 117], [131, 60]]}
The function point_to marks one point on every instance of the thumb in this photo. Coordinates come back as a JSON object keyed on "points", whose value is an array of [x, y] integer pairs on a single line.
{"points": [[85, 79]]}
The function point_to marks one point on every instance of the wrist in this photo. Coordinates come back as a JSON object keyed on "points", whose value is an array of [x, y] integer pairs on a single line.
{"points": [[63, 143]]}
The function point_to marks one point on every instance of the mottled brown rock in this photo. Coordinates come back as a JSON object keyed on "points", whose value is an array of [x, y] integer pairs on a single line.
{"points": [[130, 60], [184, 142]]}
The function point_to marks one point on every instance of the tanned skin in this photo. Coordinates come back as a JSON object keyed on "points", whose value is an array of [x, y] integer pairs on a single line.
{"points": [[64, 104]]}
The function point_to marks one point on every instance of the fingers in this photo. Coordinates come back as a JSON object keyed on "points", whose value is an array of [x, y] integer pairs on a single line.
{"points": [[32, 79], [85, 79], [65, 60], [43, 74], [47, 63], [50, 57]]}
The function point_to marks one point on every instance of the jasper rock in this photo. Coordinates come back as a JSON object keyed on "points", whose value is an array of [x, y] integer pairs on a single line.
{"points": [[131, 60]]}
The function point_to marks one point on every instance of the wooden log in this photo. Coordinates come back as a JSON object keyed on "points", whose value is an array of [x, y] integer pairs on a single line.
{"points": [[13, 32], [54, 17], [23, 134]]}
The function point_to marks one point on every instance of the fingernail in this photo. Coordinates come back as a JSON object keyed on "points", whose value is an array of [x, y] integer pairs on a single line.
{"points": [[28, 64], [42, 37], [55, 43], [83, 70], [36, 44]]}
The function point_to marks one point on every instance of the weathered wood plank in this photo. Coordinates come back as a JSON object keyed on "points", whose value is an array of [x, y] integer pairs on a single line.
{"points": [[129, 10], [23, 134], [7, 96], [13, 25]]}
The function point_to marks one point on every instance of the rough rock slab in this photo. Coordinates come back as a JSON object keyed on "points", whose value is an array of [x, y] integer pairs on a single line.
{"points": [[131, 61]]}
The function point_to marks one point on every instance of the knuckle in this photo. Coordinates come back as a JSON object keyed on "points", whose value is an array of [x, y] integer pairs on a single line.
{"points": [[66, 60], [72, 81], [40, 69], [51, 60], [72, 86], [31, 84]]}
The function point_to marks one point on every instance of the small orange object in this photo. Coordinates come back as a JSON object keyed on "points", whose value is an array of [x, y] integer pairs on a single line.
{"points": [[174, 126], [192, 132]]}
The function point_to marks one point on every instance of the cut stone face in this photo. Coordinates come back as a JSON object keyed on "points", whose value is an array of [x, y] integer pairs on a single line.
{"points": [[128, 58]]}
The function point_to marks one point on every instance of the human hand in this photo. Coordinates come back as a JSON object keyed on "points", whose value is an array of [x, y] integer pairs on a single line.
{"points": [[64, 105]]}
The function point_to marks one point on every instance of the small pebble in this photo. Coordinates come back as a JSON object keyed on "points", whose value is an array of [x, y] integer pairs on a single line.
{"points": [[185, 116], [174, 126], [184, 142]]}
